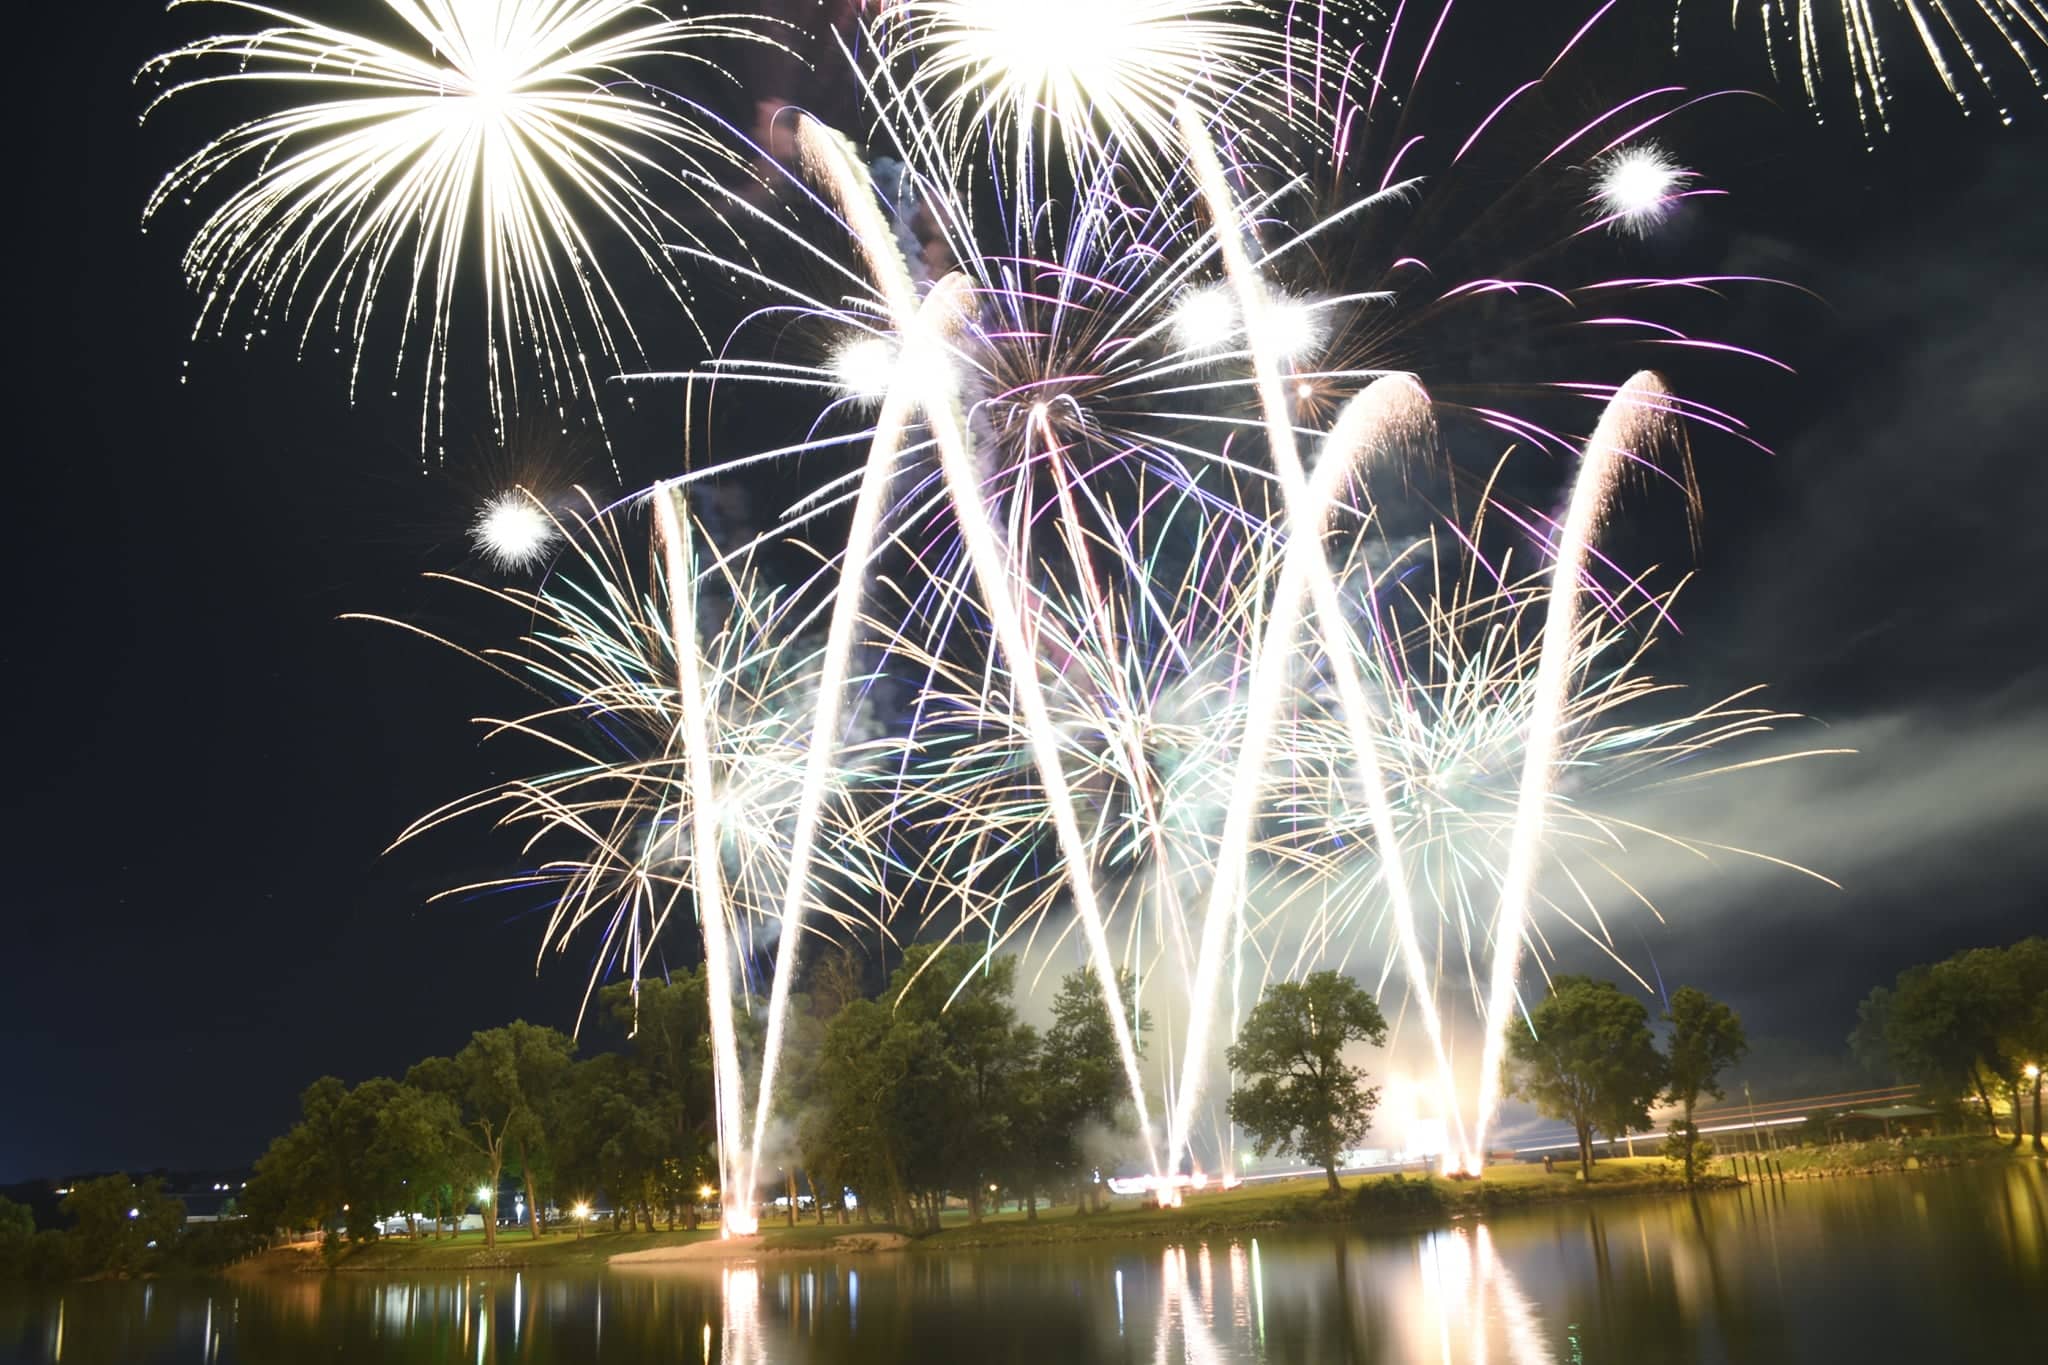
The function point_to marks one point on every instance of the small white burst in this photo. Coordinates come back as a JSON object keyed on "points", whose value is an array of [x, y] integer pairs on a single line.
{"points": [[512, 531], [1636, 185], [865, 368], [1293, 328], [1205, 319]]}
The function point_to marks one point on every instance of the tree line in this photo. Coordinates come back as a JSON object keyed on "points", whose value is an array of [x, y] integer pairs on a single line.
{"points": [[1586, 1054], [1973, 1026], [934, 1093]]}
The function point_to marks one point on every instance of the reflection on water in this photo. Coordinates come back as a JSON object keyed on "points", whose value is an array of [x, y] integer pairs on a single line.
{"points": [[1938, 1266]]}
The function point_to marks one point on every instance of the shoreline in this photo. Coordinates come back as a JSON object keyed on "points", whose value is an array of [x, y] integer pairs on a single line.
{"points": [[1377, 1203]]}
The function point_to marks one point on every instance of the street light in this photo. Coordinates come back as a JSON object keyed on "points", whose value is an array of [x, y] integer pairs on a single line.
{"points": [[2033, 1071]]}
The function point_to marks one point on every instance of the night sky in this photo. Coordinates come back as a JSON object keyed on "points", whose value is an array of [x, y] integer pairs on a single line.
{"points": [[206, 762]]}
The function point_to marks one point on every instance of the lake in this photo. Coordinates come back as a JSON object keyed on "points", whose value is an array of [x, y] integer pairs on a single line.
{"points": [[1948, 1266]]}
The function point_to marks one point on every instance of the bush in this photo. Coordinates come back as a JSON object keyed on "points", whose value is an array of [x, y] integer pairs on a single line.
{"points": [[56, 1254], [1676, 1147], [215, 1246], [1398, 1196]]}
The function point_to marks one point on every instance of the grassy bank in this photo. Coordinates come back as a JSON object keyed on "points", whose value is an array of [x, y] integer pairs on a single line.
{"points": [[467, 1251], [1376, 1200], [1371, 1201], [1386, 1201], [1873, 1158]]}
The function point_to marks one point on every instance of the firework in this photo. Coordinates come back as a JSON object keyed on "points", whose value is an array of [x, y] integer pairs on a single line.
{"points": [[1961, 39], [524, 125], [512, 531], [1090, 359], [1113, 524], [1636, 186], [1100, 78], [681, 764]]}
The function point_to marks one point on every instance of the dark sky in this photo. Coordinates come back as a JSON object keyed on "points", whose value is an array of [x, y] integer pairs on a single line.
{"points": [[207, 763]]}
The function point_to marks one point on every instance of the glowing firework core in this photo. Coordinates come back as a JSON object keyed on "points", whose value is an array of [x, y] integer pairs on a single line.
{"points": [[1636, 186], [1205, 320], [512, 531], [865, 368]]}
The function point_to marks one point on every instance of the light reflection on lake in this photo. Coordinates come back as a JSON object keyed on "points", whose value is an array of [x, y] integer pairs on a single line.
{"points": [[1949, 1266]]}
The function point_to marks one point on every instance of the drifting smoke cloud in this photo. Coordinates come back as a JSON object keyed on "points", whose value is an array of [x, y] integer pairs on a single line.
{"points": [[1894, 595]]}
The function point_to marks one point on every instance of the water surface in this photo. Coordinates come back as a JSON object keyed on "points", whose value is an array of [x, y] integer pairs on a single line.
{"points": [[1947, 1266]]}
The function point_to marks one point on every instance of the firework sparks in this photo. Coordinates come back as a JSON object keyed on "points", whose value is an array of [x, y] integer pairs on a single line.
{"points": [[1963, 51], [512, 531], [1101, 77], [509, 119], [1635, 187], [1161, 669], [1628, 426], [685, 765]]}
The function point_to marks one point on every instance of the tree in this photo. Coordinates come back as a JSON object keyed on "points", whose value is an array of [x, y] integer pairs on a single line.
{"points": [[1964, 1027], [919, 1094], [1706, 1039], [967, 1056], [416, 1143], [1942, 1032], [501, 1084], [1870, 1040], [1585, 1055], [854, 1127], [610, 1133], [2024, 1026], [17, 1238], [1081, 1075], [302, 1179], [1300, 1095], [119, 1225], [834, 982]]}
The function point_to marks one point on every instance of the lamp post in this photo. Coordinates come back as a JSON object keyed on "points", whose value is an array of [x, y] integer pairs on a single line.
{"points": [[2033, 1073]]}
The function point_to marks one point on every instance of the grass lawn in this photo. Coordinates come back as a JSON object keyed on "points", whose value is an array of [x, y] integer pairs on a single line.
{"points": [[467, 1250], [1858, 1158], [1260, 1204], [1381, 1199]]}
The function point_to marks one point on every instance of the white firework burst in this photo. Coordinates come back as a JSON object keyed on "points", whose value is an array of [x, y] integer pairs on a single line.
{"points": [[524, 130]]}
